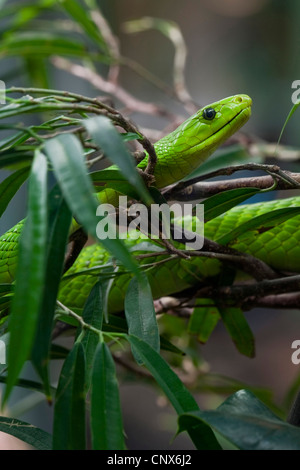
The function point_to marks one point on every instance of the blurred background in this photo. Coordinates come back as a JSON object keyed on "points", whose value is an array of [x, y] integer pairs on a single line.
{"points": [[233, 46]]}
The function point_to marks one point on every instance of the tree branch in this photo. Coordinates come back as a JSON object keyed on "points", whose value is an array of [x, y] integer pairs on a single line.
{"points": [[249, 295], [285, 178], [132, 103], [206, 189]]}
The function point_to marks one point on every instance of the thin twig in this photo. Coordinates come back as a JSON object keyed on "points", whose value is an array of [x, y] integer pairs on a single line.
{"points": [[280, 301], [112, 43], [248, 294], [173, 33], [273, 170], [209, 188], [105, 86], [94, 106]]}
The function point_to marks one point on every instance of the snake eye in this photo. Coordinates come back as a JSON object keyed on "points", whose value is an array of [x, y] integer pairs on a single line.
{"points": [[209, 113]]}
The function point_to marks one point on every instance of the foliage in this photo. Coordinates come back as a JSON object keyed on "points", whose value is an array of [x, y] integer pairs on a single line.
{"points": [[55, 154]]}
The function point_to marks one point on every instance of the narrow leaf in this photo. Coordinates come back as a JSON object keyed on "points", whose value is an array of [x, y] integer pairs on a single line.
{"points": [[222, 202], [247, 423], [66, 156], [204, 319], [92, 315], [10, 186], [28, 433], [6, 288], [106, 416], [38, 73], [118, 324], [69, 411], [14, 159], [128, 136], [28, 384], [108, 139], [140, 314], [111, 173], [40, 44], [30, 273], [179, 396], [80, 15], [59, 220], [294, 108], [239, 330]]}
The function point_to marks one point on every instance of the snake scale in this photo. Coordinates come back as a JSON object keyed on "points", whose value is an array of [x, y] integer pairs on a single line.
{"points": [[179, 153]]}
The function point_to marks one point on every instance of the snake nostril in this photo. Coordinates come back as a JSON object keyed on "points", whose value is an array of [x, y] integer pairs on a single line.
{"points": [[238, 99]]}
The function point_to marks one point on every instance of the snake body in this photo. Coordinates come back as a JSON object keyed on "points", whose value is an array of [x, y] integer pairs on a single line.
{"points": [[179, 153]]}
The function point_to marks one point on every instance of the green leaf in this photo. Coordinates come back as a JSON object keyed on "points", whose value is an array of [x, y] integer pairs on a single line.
{"points": [[247, 423], [108, 139], [66, 156], [106, 416], [176, 392], [222, 202], [92, 315], [166, 345], [28, 433], [294, 108], [38, 73], [146, 246], [124, 189], [10, 186], [12, 140], [140, 314], [30, 273], [128, 136], [179, 396], [112, 178], [204, 319], [81, 17], [28, 384], [40, 44], [24, 15], [239, 330], [58, 352], [14, 159], [6, 288], [118, 324], [224, 385], [69, 411], [105, 286], [110, 174], [260, 224], [59, 220]]}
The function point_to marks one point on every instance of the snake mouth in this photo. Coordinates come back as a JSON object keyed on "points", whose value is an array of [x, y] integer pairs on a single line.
{"points": [[244, 114]]}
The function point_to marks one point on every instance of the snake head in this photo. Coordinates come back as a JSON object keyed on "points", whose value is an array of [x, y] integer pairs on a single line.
{"points": [[180, 152]]}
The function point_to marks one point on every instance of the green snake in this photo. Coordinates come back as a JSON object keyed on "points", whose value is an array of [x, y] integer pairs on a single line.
{"points": [[179, 153]]}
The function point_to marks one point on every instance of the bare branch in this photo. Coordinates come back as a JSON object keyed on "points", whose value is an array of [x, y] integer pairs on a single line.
{"points": [[274, 170], [117, 91], [250, 295], [173, 33], [111, 41], [281, 301], [206, 189]]}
